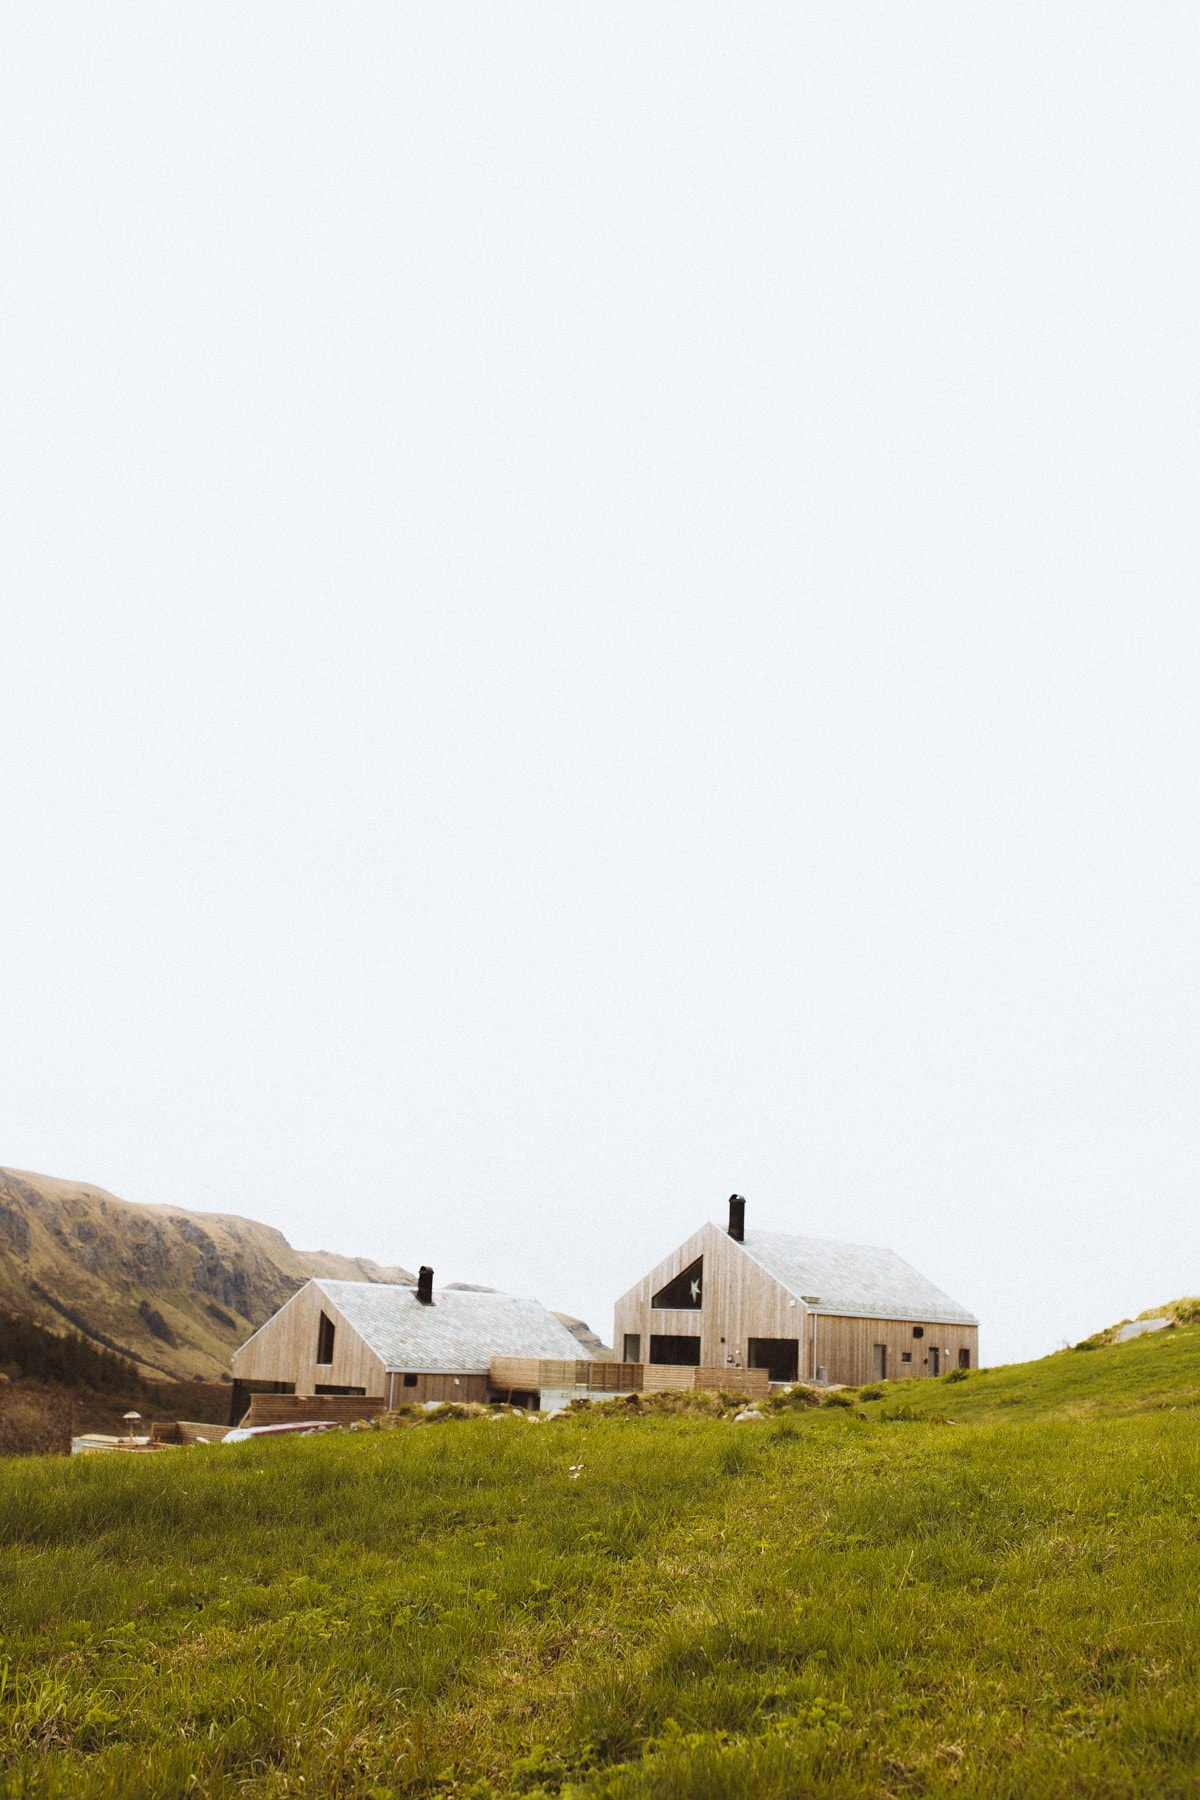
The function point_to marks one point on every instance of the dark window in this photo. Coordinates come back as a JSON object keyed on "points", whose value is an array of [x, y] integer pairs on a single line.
{"points": [[879, 1362], [779, 1356], [685, 1350], [964, 1359], [633, 1347], [410, 1381], [684, 1293], [935, 1361], [240, 1392], [906, 1356], [918, 1331], [325, 1340], [338, 1390]]}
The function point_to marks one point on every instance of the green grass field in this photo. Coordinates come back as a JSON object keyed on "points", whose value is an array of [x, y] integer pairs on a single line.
{"points": [[978, 1587]]}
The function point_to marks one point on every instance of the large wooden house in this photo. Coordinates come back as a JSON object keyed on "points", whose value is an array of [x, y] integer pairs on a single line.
{"points": [[335, 1342], [803, 1308]]}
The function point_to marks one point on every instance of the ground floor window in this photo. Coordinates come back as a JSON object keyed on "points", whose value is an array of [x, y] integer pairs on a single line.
{"points": [[780, 1357], [633, 1347], [935, 1361], [681, 1350], [338, 1390], [964, 1359], [879, 1362]]}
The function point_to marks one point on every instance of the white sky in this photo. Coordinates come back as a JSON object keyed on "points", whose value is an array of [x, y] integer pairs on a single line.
{"points": [[599, 606]]}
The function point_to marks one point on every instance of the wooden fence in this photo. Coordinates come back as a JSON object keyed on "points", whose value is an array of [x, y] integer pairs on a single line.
{"points": [[291, 1409], [528, 1375]]}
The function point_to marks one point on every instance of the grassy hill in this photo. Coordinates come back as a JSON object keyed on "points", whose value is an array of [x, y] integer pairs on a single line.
{"points": [[175, 1292], [979, 1587]]}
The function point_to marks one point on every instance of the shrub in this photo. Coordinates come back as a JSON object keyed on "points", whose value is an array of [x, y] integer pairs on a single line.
{"points": [[794, 1399]]}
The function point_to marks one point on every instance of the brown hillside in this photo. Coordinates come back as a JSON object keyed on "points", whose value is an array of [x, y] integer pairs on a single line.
{"points": [[177, 1291]]}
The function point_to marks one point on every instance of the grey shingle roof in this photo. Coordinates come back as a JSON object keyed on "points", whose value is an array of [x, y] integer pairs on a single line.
{"points": [[862, 1280], [458, 1335]]}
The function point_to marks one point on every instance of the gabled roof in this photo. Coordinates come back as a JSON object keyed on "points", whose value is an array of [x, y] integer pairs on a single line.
{"points": [[861, 1280], [458, 1335]]}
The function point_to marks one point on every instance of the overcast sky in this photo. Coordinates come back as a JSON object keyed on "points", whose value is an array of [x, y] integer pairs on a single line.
{"points": [[599, 606]]}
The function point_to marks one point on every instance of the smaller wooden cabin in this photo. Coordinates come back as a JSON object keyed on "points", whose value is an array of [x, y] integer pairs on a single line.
{"points": [[803, 1308], [340, 1341]]}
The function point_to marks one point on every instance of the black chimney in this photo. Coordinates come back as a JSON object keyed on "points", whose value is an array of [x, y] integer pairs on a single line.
{"points": [[425, 1285], [737, 1218]]}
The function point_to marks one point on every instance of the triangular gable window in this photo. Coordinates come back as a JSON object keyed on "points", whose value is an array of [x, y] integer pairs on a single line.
{"points": [[685, 1293]]}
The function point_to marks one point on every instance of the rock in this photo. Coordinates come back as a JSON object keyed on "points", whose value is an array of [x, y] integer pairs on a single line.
{"points": [[1138, 1327]]}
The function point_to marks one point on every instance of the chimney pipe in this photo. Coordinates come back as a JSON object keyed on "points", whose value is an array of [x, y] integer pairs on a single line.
{"points": [[425, 1285], [737, 1218]]}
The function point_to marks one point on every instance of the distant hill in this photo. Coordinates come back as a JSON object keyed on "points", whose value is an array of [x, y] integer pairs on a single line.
{"points": [[173, 1291]]}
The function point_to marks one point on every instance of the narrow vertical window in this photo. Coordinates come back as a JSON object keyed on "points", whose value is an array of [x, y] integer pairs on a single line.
{"points": [[964, 1358], [633, 1347], [879, 1369], [325, 1340]]}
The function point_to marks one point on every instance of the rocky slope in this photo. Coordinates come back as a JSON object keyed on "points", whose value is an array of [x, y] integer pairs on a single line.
{"points": [[175, 1291]]}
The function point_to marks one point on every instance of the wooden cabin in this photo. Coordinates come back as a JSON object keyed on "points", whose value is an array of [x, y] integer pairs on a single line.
{"points": [[337, 1342], [803, 1308]]}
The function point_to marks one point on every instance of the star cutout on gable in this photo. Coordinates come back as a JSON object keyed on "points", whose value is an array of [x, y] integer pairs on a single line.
{"points": [[695, 1290]]}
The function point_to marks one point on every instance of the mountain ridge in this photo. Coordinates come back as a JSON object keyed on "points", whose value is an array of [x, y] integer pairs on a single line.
{"points": [[172, 1289]]}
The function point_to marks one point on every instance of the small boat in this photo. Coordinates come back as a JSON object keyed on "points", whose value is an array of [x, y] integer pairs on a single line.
{"points": [[302, 1428], [91, 1441]]}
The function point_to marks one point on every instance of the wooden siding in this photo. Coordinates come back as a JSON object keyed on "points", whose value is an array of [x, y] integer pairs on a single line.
{"points": [[285, 1349], [528, 1373], [751, 1384], [436, 1387], [740, 1301], [293, 1409], [525, 1374], [845, 1347]]}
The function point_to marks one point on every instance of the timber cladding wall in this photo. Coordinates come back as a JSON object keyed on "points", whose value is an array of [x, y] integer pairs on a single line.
{"points": [[285, 1349], [421, 1388], [845, 1348], [531, 1375], [292, 1409], [284, 1409], [739, 1301]]}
